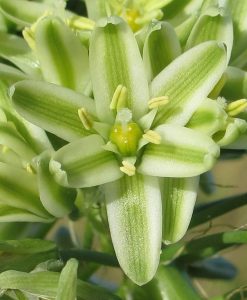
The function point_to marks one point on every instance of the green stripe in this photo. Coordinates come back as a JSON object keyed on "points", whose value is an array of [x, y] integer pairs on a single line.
{"points": [[60, 55], [172, 152], [193, 76], [134, 221], [46, 108], [88, 163]]}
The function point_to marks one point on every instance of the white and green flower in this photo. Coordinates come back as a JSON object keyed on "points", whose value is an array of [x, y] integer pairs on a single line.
{"points": [[130, 136]]}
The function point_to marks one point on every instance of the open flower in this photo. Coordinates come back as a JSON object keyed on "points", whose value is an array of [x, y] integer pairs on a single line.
{"points": [[130, 136]]}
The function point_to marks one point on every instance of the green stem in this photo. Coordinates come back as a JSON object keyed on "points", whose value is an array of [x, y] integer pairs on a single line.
{"points": [[90, 256]]}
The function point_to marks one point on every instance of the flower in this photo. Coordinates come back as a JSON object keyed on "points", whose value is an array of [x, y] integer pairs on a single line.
{"points": [[130, 136]]}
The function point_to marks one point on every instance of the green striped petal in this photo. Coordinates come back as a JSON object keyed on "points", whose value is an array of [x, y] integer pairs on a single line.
{"points": [[63, 59], [235, 128], [9, 213], [10, 74], [183, 30], [96, 9], [187, 81], [23, 13], [115, 59], [179, 196], [161, 47], [183, 152], [67, 284], [19, 190], [214, 24], [84, 163], [57, 200], [238, 10], [135, 219], [10, 137], [209, 118], [52, 107], [236, 84]]}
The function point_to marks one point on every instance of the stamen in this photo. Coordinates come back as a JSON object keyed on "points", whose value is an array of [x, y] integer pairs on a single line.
{"points": [[119, 98], [81, 23], [128, 168], [158, 101], [85, 118], [236, 107], [30, 169], [152, 137]]}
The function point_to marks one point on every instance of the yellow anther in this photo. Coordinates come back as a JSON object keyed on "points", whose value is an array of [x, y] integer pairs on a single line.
{"points": [[131, 15], [30, 169], [236, 107], [119, 99], [158, 101], [5, 149], [85, 118], [152, 137], [128, 168], [81, 23]]}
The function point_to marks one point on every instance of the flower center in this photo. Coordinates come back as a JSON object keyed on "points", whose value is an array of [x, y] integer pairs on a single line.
{"points": [[125, 134]]}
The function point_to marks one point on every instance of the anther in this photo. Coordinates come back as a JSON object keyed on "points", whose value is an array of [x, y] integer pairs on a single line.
{"points": [[119, 98], [158, 101], [30, 169], [236, 107], [152, 137], [81, 23], [128, 168], [85, 118]]}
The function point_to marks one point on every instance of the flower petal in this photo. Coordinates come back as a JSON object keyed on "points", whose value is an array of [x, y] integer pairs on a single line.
{"points": [[57, 200], [115, 60], [215, 24], [134, 214], [187, 81], [161, 47], [179, 196], [19, 189], [209, 118], [63, 59], [183, 152], [24, 13], [85, 163], [51, 107]]}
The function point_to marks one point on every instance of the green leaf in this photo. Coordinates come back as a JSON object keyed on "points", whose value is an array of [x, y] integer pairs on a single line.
{"points": [[208, 211], [203, 66], [19, 189], [179, 196], [213, 24], [57, 200], [135, 219], [23, 13], [44, 284], [236, 84], [183, 152], [63, 59], [84, 163], [211, 244], [52, 107], [115, 60], [209, 118], [67, 281], [161, 47], [26, 246]]}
